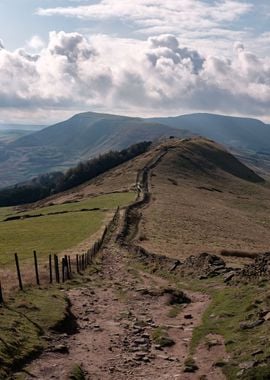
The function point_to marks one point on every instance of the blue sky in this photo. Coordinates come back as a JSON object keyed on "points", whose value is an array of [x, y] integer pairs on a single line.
{"points": [[141, 58]]}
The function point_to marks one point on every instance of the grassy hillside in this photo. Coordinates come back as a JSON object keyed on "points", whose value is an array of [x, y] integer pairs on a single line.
{"points": [[55, 228], [63, 145], [204, 200], [236, 132], [89, 134], [56, 182]]}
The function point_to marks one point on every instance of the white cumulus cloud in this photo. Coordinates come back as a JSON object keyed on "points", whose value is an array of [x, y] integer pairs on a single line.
{"points": [[157, 76]]}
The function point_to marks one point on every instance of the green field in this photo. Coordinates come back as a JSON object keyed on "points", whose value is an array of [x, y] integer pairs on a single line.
{"points": [[54, 233]]}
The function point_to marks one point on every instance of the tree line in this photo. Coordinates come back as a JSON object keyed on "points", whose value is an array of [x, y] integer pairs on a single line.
{"points": [[52, 183]]}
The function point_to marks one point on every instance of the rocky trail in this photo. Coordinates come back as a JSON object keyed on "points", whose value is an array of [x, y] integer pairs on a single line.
{"points": [[129, 325]]}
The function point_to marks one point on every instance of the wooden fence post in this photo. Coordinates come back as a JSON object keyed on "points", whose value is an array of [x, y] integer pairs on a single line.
{"points": [[77, 263], [18, 271], [36, 268], [67, 266], [63, 269], [83, 262], [1, 294], [56, 267], [50, 269]]}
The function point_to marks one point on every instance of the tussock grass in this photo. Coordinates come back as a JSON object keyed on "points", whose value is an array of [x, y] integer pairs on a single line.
{"points": [[161, 337], [77, 373]]}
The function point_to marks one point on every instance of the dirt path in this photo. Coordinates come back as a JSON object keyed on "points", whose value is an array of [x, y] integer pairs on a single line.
{"points": [[117, 314], [116, 319], [120, 314]]}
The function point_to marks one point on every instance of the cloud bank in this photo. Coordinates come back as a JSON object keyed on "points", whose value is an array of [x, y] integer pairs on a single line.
{"points": [[155, 76], [157, 15]]}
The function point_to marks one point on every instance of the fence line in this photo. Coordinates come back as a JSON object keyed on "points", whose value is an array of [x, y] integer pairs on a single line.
{"points": [[67, 266]]}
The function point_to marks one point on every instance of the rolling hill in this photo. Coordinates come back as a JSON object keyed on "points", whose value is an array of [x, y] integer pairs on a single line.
{"points": [[63, 145], [235, 132], [86, 135], [162, 281], [205, 200]]}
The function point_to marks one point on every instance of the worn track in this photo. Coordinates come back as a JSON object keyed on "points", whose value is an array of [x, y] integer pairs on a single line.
{"points": [[120, 309]]}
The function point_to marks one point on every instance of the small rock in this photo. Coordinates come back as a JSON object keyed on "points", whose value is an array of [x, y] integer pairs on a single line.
{"points": [[141, 356], [251, 325], [267, 317], [61, 348], [146, 336], [146, 359], [240, 373], [248, 365], [164, 357], [191, 368], [172, 359], [140, 341], [228, 276], [258, 352], [188, 316]]}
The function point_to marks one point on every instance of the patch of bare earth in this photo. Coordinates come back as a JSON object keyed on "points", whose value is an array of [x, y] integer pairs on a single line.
{"points": [[209, 357]]}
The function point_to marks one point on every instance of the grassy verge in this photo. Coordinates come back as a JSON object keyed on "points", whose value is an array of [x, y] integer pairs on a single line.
{"points": [[30, 316], [230, 308], [23, 322]]}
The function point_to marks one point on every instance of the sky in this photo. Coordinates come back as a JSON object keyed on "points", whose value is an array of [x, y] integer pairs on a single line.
{"points": [[140, 57]]}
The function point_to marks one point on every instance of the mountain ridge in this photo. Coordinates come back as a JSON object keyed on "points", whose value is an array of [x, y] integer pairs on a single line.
{"points": [[88, 134]]}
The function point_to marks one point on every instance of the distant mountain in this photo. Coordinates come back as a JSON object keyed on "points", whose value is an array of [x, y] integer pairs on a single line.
{"points": [[89, 134], [21, 127], [234, 132], [11, 132], [82, 137], [56, 182]]}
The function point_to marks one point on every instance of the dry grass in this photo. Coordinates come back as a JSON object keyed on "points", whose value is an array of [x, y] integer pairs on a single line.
{"points": [[120, 179], [192, 218]]}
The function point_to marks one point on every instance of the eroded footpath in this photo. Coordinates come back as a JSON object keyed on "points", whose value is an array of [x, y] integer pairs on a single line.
{"points": [[130, 324], [120, 315]]}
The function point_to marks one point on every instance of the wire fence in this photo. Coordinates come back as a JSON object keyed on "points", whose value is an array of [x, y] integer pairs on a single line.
{"points": [[60, 269]]}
